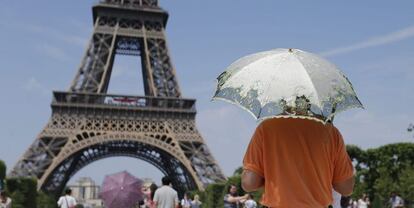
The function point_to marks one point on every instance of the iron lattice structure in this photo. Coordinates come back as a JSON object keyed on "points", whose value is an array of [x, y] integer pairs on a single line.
{"points": [[87, 124]]}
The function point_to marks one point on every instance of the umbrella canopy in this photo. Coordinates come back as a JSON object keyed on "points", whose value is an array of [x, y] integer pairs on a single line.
{"points": [[287, 83], [121, 190]]}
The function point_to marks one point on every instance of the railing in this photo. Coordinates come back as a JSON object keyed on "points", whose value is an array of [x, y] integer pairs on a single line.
{"points": [[132, 3], [141, 102]]}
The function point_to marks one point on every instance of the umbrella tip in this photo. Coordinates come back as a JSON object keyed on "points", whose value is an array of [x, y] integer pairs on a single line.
{"points": [[291, 50]]}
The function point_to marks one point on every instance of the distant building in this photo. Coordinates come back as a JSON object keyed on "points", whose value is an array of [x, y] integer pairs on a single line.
{"points": [[86, 193]]}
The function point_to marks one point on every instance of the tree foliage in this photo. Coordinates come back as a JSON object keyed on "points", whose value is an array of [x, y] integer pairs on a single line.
{"points": [[383, 170], [3, 170], [213, 195], [23, 191], [45, 200]]}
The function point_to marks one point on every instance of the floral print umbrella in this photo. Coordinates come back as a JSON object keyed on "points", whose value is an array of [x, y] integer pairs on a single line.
{"points": [[287, 83]]}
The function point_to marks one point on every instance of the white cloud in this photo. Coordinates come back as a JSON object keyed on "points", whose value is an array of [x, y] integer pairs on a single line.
{"points": [[399, 35]]}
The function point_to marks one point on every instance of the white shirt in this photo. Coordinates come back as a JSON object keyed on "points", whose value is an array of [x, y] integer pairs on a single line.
{"points": [[250, 204], [397, 201], [66, 202], [336, 199], [362, 204], [185, 203], [7, 204], [166, 197]]}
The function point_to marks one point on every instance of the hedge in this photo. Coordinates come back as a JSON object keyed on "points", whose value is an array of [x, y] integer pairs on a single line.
{"points": [[23, 191]]}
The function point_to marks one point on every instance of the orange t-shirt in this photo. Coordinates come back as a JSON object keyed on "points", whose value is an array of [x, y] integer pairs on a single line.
{"points": [[299, 159]]}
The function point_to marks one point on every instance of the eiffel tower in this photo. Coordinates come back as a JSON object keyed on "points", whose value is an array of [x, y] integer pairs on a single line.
{"points": [[87, 124]]}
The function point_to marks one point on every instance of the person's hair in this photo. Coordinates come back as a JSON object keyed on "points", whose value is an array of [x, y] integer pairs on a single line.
{"points": [[196, 197], [250, 196], [166, 180], [345, 201], [3, 194], [231, 185], [153, 188], [68, 191]]}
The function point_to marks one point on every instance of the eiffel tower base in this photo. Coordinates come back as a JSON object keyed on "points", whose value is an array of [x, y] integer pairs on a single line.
{"points": [[88, 127]]}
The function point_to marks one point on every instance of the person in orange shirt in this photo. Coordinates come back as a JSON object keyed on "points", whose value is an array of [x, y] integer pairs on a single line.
{"points": [[298, 162]]}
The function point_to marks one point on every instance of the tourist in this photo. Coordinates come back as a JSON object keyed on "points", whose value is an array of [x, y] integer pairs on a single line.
{"points": [[67, 201], [250, 203], [363, 202], [186, 202], [298, 162], [231, 199], [166, 196], [396, 201], [196, 203], [5, 201]]}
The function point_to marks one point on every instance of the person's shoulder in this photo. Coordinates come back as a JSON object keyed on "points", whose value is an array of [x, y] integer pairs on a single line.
{"points": [[273, 122], [170, 189], [157, 190]]}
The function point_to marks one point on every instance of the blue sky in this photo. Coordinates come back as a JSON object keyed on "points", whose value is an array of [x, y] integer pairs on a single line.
{"points": [[42, 43]]}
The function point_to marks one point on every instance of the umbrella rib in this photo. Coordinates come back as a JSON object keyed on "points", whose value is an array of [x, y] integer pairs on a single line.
{"points": [[250, 63], [311, 81], [268, 86]]}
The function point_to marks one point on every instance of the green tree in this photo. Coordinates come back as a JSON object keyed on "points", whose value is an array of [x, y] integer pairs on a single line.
{"points": [[45, 200], [214, 195], [18, 200], [407, 185], [383, 169], [3, 170], [23, 191], [376, 203]]}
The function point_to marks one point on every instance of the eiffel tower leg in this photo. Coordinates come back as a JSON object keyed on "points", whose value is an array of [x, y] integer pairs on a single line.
{"points": [[96, 67]]}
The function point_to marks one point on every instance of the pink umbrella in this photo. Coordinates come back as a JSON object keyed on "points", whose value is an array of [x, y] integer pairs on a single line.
{"points": [[121, 190]]}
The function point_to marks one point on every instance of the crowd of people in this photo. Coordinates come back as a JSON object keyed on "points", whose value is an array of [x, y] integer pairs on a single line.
{"points": [[166, 196], [395, 201]]}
